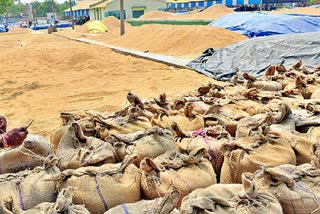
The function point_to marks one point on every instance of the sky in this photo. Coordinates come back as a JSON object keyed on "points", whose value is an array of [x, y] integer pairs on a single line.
{"points": [[28, 1]]}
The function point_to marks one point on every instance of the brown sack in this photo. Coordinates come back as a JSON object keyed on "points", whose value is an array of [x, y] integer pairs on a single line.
{"points": [[264, 85], [249, 153], [186, 123], [211, 139], [230, 198], [296, 187], [26, 189], [29, 155], [163, 205], [174, 168], [217, 119], [104, 187], [257, 124], [76, 150], [149, 143], [314, 134], [132, 120], [299, 143], [56, 136], [63, 204]]}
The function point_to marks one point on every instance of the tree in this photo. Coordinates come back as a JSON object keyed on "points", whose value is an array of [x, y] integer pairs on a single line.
{"points": [[17, 8], [4, 5]]}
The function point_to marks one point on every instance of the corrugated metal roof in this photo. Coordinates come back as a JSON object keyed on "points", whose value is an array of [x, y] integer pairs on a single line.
{"points": [[100, 4], [183, 1], [83, 5]]}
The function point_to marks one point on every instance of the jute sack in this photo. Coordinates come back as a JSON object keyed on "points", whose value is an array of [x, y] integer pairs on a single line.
{"points": [[212, 139], [254, 125], [28, 155], [314, 134], [56, 136], [264, 85], [76, 150], [247, 154], [296, 187], [63, 204], [130, 121], [188, 121], [174, 168], [149, 143], [104, 187], [163, 205], [28, 188], [87, 125], [230, 198], [217, 119], [299, 143]]}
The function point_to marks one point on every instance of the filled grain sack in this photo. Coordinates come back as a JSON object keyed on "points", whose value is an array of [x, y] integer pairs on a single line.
{"points": [[218, 119], [257, 124], [296, 187], [76, 150], [174, 168], [247, 154], [188, 121], [299, 143], [163, 205], [211, 138], [28, 155], [314, 134], [252, 82], [130, 121], [86, 123], [104, 187], [230, 198], [149, 143], [63, 204], [28, 188]]}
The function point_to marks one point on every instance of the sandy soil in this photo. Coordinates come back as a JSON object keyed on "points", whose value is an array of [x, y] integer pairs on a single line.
{"points": [[43, 75]]}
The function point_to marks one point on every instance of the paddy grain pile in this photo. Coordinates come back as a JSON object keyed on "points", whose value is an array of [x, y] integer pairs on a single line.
{"points": [[210, 13]]}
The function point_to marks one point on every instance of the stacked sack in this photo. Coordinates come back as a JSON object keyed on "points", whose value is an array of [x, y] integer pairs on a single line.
{"points": [[226, 147]]}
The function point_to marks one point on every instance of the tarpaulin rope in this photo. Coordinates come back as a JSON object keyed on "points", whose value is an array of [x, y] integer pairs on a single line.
{"points": [[20, 193], [100, 194], [125, 208]]}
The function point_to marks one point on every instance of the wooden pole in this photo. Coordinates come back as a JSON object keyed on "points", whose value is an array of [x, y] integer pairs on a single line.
{"points": [[121, 18], [71, 14], [53, 14]]}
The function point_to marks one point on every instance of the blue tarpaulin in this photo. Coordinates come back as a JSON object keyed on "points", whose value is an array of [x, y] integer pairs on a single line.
{"points": [[2, 29], [262, 24], [45, 26], [257, 54]]}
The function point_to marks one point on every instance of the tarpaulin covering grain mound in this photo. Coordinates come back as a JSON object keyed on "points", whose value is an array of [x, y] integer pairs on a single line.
{"points": [[255, 55], [261, 24]]}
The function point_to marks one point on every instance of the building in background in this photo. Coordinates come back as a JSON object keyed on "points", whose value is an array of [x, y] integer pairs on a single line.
{"points": [[80, 9], [99, 10]]}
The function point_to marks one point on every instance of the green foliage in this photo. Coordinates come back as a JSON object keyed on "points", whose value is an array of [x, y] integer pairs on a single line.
{"points": [[17, 8], [39, 8], [4, 5], [312, 2]]}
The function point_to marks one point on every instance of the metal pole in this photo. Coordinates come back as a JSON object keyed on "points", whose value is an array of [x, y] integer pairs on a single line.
{"points": [[261, 6], [121, 18], [71, 14]]}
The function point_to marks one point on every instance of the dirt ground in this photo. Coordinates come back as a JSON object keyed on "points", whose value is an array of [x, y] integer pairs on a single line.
{"points": [[43, 75]]}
